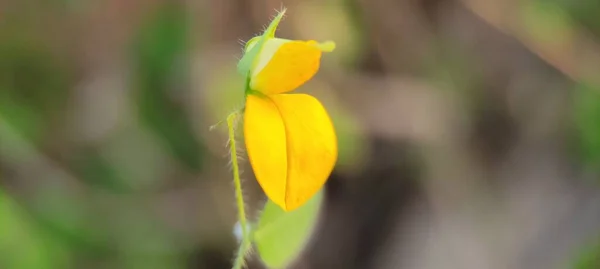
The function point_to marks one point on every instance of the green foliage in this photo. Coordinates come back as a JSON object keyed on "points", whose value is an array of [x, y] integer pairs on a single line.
{"points": [[22, 244], [159, 58], [584, 12], [62, 214], [97, 171], [280, 236], [587, 119], [589, 258], [33, 83]]}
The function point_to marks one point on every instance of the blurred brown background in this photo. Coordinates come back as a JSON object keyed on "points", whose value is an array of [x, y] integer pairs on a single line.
{"points": [[469, 132]]}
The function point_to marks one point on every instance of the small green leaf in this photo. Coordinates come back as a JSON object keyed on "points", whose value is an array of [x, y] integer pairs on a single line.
{"points": [[23, 245], [589, 257], [587, 119], [280, 236], [247, 60]]}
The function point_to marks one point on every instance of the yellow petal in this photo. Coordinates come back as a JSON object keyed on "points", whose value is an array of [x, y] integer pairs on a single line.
{"points": [[291, 145], [291, 65], [270, 47], [264, 134], [311, 146]]}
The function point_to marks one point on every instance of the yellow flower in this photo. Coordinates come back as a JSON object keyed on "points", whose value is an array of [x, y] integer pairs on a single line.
{"points": [[290, 139]]}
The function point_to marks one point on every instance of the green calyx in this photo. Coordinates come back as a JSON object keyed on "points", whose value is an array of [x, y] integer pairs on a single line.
{"points": [[255, 46]]}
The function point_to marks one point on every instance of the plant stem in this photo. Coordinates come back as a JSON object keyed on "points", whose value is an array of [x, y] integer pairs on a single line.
{"points": [[241, 254], [245, 243]]}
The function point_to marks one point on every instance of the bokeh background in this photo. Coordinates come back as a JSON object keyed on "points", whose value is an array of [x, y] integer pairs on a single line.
{"points": [[469, 132]]}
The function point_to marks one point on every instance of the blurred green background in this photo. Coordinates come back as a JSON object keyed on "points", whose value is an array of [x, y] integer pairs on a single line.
{"points": [[107, 161]]}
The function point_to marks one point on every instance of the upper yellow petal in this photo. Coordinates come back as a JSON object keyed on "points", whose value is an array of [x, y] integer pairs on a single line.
{"points": [[270, 47], [294, 63], [291, 145]]}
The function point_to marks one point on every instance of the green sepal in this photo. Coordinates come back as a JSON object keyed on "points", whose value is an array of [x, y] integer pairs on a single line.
{"points": [[249, 59]]}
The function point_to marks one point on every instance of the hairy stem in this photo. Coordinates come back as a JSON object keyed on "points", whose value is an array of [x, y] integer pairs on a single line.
{"points": [[245, 242], [240, 261]]}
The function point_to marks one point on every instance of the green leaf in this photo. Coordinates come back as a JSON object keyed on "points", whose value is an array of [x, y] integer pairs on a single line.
{"points": [[281, 236], [33, 83], [589, 257], [160, 51], [22, 244], [93, 168], [247, 60], [587, 119]]}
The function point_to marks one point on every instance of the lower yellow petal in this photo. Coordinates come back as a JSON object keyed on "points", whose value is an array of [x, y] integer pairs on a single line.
{"points": [[264, 135], [311, 146], [291, 145]]}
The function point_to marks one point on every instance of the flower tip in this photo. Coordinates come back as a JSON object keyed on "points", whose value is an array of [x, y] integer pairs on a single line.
{"points": [[327, 46], [270, 31]]}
